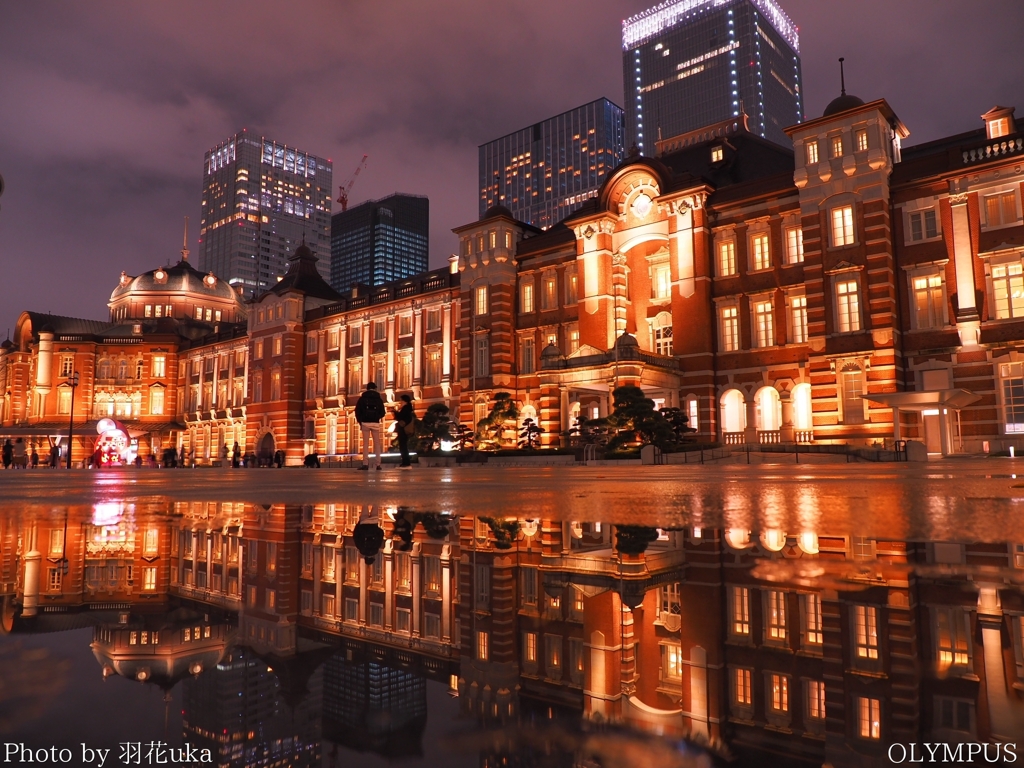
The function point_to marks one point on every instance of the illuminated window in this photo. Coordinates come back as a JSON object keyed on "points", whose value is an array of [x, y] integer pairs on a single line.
{"points": [[764, 324], [433, 320], [663, 337], [433, 372], [432, 573], [1012, 377], [869, 716], [812, 625], [852, 390], [257, 352], [662, 282], [775, 615], [952, 642], [837, 146], [730, 328], [847, 306], [815, 692], [574, 339], [741, 688], [526, 355], [740, 611], [794, 245], [998, 127], [64, 400], [275, 385], [923, 225], [56, 542], [526, 298], [865, 620], [798, 319], [929, 301], [481, 301], [278, 345], [842, 226], [553, 653], [404, 372], [778, 694], [67, 366], [149, 578], [571, 285], [717, 154], [812, 151], [760, 256], [860, 138], [156, 401], [482, 651], [1001, 209], [159, 366], [727, 258], [149, 310]]}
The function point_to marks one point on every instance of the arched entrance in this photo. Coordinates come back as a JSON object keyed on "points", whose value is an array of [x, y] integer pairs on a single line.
{"points": [[734, 417], [266, 448], [769, 410]]}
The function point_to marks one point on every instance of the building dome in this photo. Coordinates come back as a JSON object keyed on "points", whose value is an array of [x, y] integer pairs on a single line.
{"points": [[627, 341], [181, 291], [551, 351], [496, 210], [842, 103], [7, 344], [182, 277]]}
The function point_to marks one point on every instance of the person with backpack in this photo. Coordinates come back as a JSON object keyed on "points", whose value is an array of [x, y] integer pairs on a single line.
{"points": [[405, 427], [369, 414]]}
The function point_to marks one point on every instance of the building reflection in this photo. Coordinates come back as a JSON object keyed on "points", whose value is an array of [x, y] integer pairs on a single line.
{"points": [[289, 625]]}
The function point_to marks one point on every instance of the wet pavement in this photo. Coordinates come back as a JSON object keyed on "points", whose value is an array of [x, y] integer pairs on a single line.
{"points": [[563, 616]]}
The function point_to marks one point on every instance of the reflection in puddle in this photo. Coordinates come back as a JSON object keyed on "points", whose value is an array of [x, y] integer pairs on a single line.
{"points": [[304, 634]]}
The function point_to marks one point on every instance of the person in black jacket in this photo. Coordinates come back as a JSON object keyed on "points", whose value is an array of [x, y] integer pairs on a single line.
{"points": [[404, 416], [369, 414]]}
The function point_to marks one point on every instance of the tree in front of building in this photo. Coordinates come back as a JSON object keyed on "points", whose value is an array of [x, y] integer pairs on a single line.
{"points": [[679, 424], [434, 428], [529, 435], [500, 427], [635, 421], [505, 530], [634, 539]]}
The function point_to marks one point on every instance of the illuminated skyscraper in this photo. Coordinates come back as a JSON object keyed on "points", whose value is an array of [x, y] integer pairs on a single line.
{"points": [[380, 241], [260, 199], [543, 173], [691, 63]]}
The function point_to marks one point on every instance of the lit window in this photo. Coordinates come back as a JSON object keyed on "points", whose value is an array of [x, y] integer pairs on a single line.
{"points": [[869, 716], [779, 693], [482, 646], [842, 226], [663, 338], [693, 414], [759, 251], [159, 366], [574, 340], [816, 699], [860, 137], [852, 390], [775, 628], [149, 310], [1012, 377], [1008, 287], [526, 355], [530, 647], [923, 225], [717, 153], [865, 619], [149, 578], [794, 245], [662, 282], [433, 320], [837, 146], [798, 319], [730, 326], [998, 127], [526, 298], [1001, 209], [812, 619], [727, 258], [848, 306], [156, 401], [549, 291], [433, 372], [671, 663], [257, 352], [481, 300], [812, 151], [763, 324], [740, 611], [64, 400], [951, 638], [278, 345], [571, 285], [928, 301], [741, 688]]}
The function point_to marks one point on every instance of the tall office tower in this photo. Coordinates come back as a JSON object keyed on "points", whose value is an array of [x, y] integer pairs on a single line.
{"points": [[260, 198], [543, 172], [379, 241], [691, 63]]}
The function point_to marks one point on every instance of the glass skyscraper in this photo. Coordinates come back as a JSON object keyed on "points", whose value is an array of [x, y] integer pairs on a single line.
{"points": [[379, 241], [544, 172], [260, 199], [691, 63]]}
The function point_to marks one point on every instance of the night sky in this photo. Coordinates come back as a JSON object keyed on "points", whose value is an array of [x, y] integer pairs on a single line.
{"points": [[106, 108]]}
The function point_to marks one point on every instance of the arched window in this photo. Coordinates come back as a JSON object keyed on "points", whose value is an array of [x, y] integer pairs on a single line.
{"points": [[734, 411], [769, 409], [138, 368], [661, 332], [122, 369], [527, 412], [104, 369], [802, 420]]}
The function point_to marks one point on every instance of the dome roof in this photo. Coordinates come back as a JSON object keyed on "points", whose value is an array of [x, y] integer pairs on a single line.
{"points": [[7, 344], [842, 103], [550, 351], [496, 210], [182, 277], [626, 341]]}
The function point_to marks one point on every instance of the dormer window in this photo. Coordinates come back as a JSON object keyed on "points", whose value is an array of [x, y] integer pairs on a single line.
{"points": [[717, 154], [999, 127], [999, 122]]}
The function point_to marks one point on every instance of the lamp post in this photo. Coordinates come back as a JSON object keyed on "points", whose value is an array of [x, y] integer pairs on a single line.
{"points": [[73, 383]]}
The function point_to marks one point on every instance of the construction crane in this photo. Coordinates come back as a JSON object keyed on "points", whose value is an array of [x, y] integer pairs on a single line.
{"points": [[345, 188]]}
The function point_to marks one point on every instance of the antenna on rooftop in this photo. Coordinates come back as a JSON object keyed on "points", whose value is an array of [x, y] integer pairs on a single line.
{"points": [[842, 77], [184, 242]]}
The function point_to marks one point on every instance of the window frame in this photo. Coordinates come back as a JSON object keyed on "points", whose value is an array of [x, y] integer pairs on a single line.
{"points": [[760, 259], [854, 323], [725, 253], [729, 342], [845, 235]]}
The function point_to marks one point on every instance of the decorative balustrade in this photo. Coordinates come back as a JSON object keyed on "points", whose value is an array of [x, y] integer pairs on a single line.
{"points": [[804, 435], [993, 150], [734, 438], [769, 436]]}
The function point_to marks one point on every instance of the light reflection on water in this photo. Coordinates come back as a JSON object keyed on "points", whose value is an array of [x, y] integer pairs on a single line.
{"points": [[742, 623]]}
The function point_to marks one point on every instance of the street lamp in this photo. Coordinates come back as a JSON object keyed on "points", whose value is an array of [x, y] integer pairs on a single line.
{"points": [[73, 383]]}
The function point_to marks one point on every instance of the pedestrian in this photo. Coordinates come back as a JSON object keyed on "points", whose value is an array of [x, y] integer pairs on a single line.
{"points": [[369, 413], [236, 455], [20, 454], [54, 456], [368, 536], [35, 458], [405, 427], [181, 456], [8, 453]]}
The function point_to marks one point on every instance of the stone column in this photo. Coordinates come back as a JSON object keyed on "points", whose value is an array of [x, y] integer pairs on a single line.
{"points": [[788, 432], [417, 353], [446, 347], [342, 361], [321, 360], [751, 431], [563, 404], [209, 560], [446, 593], [389, 371], [417, 588], [44, 362], [367, 359]]}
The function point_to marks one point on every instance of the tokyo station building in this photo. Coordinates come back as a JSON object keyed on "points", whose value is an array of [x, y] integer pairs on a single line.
{"points": [[845, 289]]}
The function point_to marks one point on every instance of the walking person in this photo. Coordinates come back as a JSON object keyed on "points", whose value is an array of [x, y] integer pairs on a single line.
{"points": [[405, 427], [8, 453], [224, 456], [35, 458], [20, 454], [236, 456], [54, 456], [369, 413], [181, 457]]}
